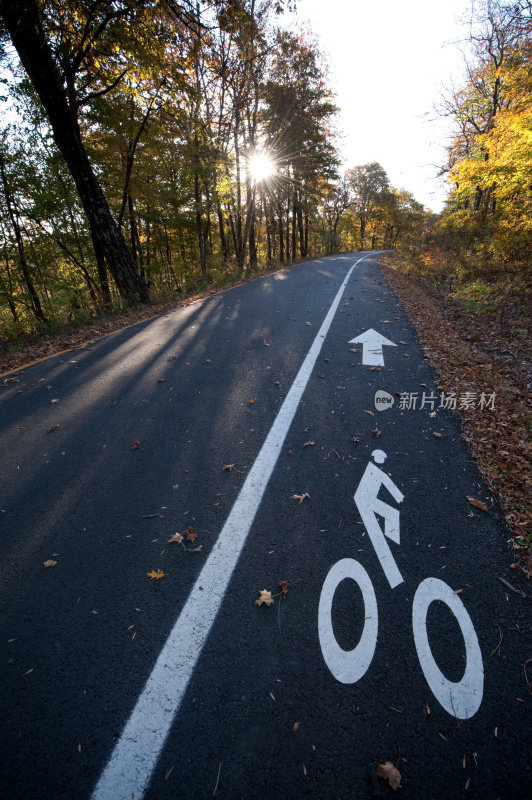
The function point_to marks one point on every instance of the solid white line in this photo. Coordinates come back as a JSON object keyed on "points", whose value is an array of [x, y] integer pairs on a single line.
{"points": [[135, 755]]}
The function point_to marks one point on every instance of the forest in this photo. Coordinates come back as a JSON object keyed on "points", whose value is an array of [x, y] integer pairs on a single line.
{"points": [[151, 149]]}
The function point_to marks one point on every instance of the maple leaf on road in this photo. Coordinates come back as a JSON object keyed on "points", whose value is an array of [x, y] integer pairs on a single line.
{"points": [[265, 598], [156, 575], [191, 534], [390, 773]]}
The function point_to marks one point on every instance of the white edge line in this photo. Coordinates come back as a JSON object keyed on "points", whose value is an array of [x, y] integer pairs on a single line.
{"points": [[135, 755]]}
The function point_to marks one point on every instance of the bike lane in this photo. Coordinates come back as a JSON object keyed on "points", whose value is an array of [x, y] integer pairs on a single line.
{"points": [[267, 710]]}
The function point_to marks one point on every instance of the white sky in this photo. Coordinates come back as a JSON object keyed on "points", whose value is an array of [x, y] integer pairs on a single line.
{"points": [[389, 60]]}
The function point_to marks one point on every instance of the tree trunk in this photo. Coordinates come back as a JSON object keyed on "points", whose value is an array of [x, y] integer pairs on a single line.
{"points": [[35, 302], [21, 18], [223, 240], [197, 204], [281, 238]]}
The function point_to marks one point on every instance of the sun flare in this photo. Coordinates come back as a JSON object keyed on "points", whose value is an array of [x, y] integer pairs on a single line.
{"points": [[261, 167]]}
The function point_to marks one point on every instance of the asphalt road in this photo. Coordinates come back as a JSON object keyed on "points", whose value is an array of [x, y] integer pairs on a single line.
{"points": [[404, 647]]}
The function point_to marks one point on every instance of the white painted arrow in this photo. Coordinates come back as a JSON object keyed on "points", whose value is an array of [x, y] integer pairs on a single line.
{"points": [[372, 343]]}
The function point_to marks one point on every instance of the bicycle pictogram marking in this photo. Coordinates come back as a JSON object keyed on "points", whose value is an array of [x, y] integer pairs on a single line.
{"points": [[462, 698]]}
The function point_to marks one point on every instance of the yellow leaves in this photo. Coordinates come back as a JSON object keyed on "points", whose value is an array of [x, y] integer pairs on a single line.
{"points": [[156, 575], [265, 598]]}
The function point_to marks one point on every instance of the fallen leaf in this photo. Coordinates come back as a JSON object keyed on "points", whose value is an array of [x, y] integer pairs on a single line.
{"points": [[195, 549], [265, 598], [55, 400], [156, 575], [250, 400], [228, 467], [300, 497], [176, 537], [134, 446], [477, 503], [53, 428], [437, 435], [309, 444], [295, 726], [376, 432], [50, 563], [191, 534], [389, 773], [284, 587], [426, 709]]}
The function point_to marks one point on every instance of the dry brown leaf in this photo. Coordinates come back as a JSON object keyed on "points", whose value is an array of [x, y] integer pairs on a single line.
{"points": [[176, 537], [134, 445], [53, 428], [477, 503], [265, 598], [295, 726], [191, 534], [228, 467], [195, 549], [426, 709], [437, 435], [50, 563], [250, 400], [300, 497], [284, 587], [389, 773], [156, 575]]}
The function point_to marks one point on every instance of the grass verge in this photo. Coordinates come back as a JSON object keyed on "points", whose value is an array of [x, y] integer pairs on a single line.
{"points": [[472, 352]]}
